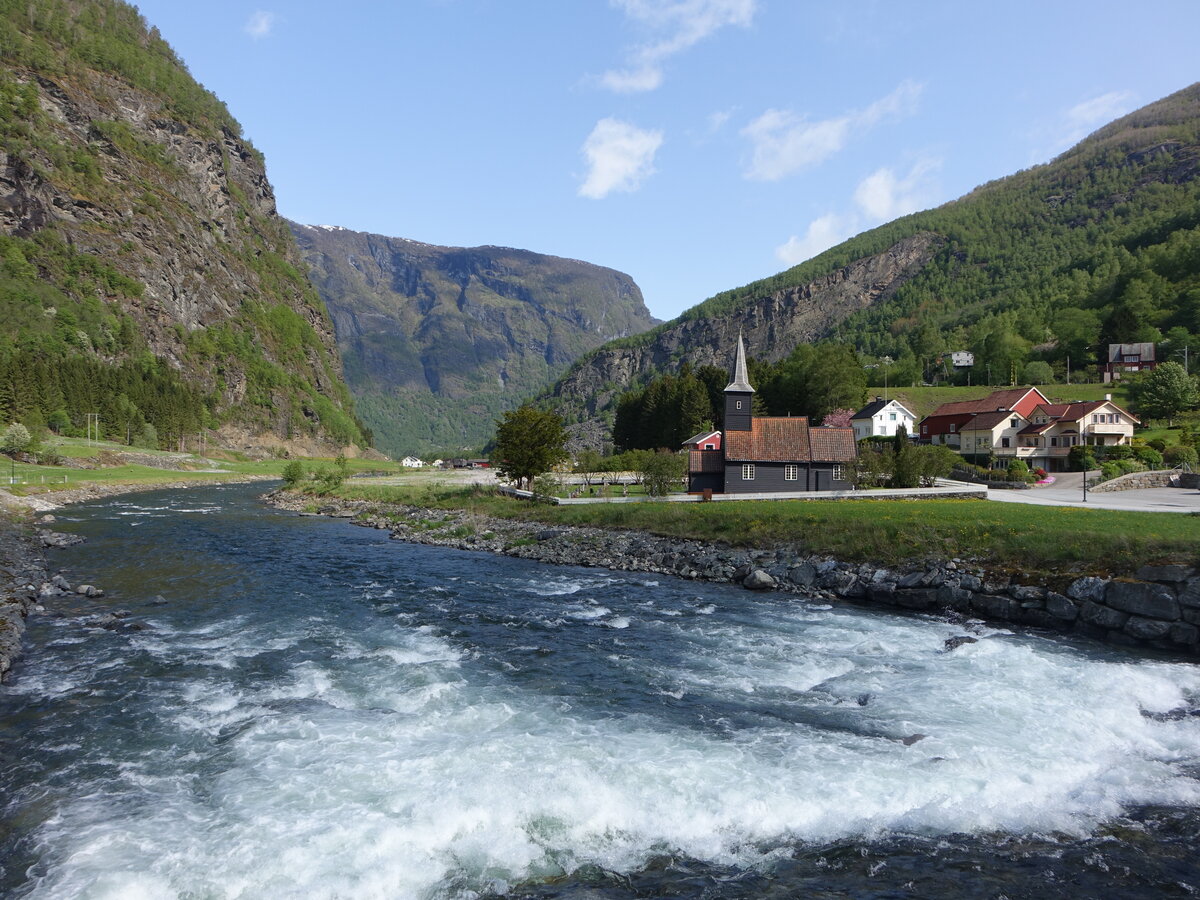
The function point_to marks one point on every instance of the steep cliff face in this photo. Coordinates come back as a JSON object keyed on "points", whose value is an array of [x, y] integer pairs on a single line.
{"points": [[438, 341], [113, 159], [772, 325]]}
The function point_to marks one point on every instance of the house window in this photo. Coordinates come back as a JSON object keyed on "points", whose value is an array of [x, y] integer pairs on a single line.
{"points": [[1014, 422], [893, 417], [839, 473], [1004, 442], [748, 472], [791, 473], [952, 426]]}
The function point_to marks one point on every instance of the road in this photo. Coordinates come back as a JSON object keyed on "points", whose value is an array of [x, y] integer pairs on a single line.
{"points": [[1067, 490]]}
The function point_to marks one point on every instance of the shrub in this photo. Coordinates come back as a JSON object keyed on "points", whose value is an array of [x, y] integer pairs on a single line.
{"points": [[1149, 457], [1179, 455], [662, 471], [1018, 470], [293, 473], [1081, 459], [16, 439], [1109, 470], [1119, 452]]}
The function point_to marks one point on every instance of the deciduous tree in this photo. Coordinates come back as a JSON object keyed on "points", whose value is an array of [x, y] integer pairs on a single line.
{"points": [[529, 442]]}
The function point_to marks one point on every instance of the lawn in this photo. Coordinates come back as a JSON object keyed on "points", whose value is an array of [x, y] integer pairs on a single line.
{"points": [[1024, 538]]}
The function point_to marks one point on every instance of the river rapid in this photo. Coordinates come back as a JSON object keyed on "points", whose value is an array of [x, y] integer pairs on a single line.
{"points": [[298, 707]]}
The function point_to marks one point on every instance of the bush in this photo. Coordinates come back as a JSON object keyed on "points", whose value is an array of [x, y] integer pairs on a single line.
{"points": [[1121, 451], [1109, 470], [16, 439], [1018, 470], [1149, 457], [662, 471], [1081, 459], [293, 473], [1179, 455]]}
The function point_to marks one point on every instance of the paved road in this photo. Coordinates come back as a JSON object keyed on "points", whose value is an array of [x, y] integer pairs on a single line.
{"points": [[1067, 490]]}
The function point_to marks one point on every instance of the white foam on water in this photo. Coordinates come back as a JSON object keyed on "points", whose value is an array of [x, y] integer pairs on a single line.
{"points": [[395, 769]]}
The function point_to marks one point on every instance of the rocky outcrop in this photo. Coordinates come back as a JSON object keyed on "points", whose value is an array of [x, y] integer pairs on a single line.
{"points": [[772, 325], [1158, 609], [155, 185], [438, 341]]}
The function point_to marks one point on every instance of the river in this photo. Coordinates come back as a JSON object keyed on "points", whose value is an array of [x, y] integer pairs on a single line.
{"points": [[298, 707]]}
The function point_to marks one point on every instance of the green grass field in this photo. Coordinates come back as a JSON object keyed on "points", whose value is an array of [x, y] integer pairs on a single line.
{"points": [[1014, 536]]}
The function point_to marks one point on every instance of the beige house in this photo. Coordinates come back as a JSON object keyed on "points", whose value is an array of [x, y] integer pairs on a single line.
{"points": [[991, 432], [1054, 428]]}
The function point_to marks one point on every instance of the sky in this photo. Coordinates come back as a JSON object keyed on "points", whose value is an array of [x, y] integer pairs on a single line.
{"points": [[696, 145]]}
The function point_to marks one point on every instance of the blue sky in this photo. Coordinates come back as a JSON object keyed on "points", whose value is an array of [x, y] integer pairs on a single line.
{"points": [[695, 144]]}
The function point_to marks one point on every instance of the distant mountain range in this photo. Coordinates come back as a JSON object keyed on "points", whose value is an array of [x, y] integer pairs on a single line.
{"points": [[1050, 264], [438, 341]]}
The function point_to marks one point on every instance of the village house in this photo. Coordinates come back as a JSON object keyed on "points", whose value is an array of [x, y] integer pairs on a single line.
{"points": [[1055, 428], [945, 424], [763, 454], [411, 462], [1128, 358], [882, 418], [705, 440]]}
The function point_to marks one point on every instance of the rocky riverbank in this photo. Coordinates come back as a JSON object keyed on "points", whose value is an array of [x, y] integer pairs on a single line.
{"points": [[1158, 609]]}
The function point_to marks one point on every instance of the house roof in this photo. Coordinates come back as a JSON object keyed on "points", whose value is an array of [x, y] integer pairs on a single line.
{"points": [[832, 444], [790, 439], [1117, 352], [1074, 412], [876, 405], [986, 421], [701, 437], [996, 400], [706, 461]]}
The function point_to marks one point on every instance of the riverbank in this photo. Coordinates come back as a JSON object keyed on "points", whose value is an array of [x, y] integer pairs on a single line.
{"points": [[1157, 609], [47, 500]]}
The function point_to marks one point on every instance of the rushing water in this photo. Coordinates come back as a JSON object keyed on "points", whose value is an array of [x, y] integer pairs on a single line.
{"points": [[296, 707]]}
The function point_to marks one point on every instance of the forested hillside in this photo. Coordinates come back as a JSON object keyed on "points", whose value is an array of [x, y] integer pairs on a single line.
{"points": [[145, 276], [1050, 264], [439, 341]]}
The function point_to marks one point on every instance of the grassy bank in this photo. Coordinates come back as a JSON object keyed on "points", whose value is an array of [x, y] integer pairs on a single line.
{"points": [[107, 466], [1013, 536]]}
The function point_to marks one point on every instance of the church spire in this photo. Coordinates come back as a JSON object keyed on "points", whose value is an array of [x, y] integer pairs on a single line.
{"points": [[741, 381]]}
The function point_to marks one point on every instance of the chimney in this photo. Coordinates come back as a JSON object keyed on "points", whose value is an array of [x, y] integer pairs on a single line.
{"points": [[1108, 397]]}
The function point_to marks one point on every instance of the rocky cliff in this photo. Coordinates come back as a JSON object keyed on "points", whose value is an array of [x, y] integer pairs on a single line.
{"points": [[438, 341], [127, 188], [772, 325]]}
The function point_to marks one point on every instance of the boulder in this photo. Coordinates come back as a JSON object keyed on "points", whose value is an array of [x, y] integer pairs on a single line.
{"points": [[1095, 614], [995, 605], [1061, 607], [1143, 598], [1147, 629], [882, 592], [1190, 595], [1164, 573], [953, 643], [759, 580], [1182, 633], [922, 599], [1088, 588], [805, 574]]}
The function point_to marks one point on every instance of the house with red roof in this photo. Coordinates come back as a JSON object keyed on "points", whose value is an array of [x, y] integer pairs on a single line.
{"points": [[770, 454], [1054, 428], [945, 424]]}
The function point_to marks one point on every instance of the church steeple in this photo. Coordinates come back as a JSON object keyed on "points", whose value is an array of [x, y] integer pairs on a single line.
{"points": [[738, 393]]}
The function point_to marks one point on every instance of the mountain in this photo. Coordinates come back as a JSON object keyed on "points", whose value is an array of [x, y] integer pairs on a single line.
{"points": [[439, 341], [1048, 265], [145, 274]]}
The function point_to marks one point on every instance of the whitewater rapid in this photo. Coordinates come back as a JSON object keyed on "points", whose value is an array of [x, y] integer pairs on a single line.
{"points": [[309, 710]]}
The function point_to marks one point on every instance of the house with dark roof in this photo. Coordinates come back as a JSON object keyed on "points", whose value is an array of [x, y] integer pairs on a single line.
{"points": [[882, 418], [1128, 358], [770, 454]]}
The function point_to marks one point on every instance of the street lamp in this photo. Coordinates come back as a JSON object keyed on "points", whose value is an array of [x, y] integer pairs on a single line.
{"points": [[1084, 456]]}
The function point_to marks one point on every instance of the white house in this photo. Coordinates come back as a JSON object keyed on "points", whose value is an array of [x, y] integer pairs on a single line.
{"points": [[881, 418], [411, 462]]}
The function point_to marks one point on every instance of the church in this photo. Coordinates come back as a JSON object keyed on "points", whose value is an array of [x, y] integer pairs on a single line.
{"points": [[770, 454]]}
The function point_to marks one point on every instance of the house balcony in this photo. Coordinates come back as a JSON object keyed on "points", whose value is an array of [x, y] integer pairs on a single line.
{"points": [[1028, 452]]}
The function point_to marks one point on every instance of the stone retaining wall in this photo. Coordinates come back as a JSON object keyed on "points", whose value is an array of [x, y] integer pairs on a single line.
{"points": [[1159, 608], [1137, 480]]}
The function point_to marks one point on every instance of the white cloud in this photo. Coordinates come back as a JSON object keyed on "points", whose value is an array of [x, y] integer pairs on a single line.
{"points": [[783, 142], [620, 157], [1083, 118], [260, 24], [880, 197], [883, 196], [821, 234], [679, 25]]}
